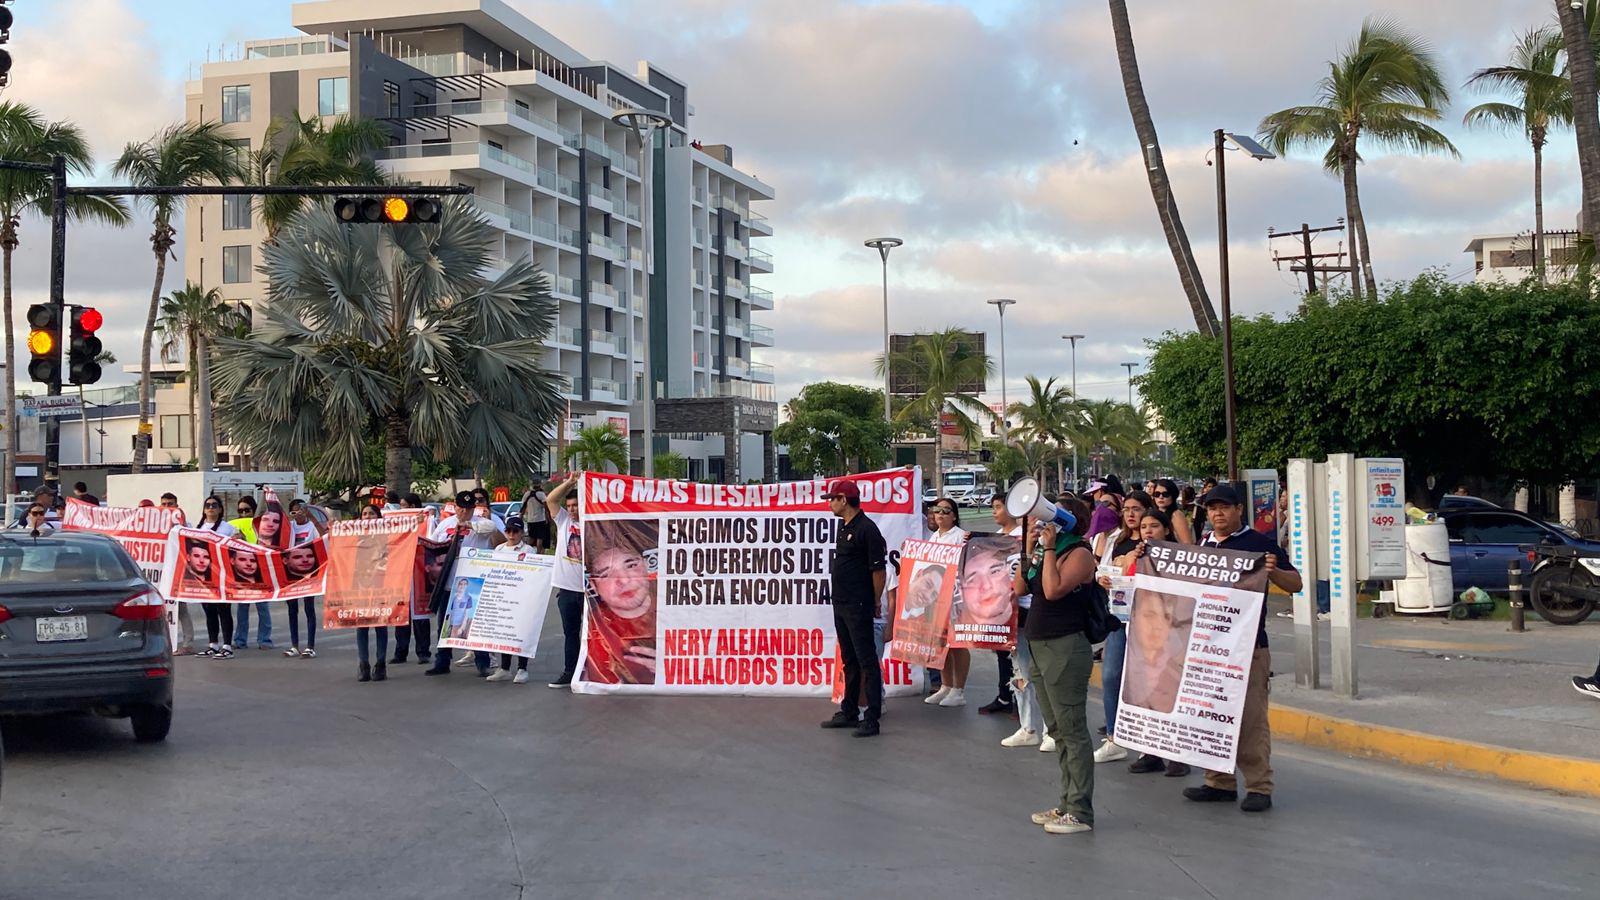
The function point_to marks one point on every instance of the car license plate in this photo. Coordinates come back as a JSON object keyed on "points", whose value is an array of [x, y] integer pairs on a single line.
{"points": [[62, 628]]}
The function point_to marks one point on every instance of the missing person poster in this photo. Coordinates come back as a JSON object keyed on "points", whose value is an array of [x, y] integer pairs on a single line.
{"points": [[1191, 636], [498, 600], [206, 567], [983, 614], [371, 572], [142, 531], [920, 628], [720, 589]]}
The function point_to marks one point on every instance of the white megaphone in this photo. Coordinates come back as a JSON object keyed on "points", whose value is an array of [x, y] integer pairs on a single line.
{"points": [[1026, 500]]}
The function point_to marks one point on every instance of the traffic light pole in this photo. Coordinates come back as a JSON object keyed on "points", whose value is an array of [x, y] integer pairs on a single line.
{"points": [[58, 299]]}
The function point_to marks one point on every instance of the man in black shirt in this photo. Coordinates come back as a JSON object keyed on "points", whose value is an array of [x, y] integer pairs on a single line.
{"points": [[1230, 531], [859, 564]]}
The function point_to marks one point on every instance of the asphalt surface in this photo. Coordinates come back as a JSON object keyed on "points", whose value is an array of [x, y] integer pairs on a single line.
{"points": [[287, 778]]}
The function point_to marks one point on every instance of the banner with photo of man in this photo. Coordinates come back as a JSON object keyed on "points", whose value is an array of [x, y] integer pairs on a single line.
{"points": [[371, 572], [498, 601], [1191, 636], [983, 613], [206, 567], [920, 627], [721, 589]]}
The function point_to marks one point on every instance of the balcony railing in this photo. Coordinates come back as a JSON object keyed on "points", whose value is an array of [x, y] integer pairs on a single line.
{"points": [[545, 178], [619, 202], [519, 220], [761, 334], [761, 372], [610, 243], [759, 295], [608, 386], [699, 195], [569, 335], [480, 107], [747, 390], [619, 159], [760, 256], [735, 328], [619, 341], [561, 284]]}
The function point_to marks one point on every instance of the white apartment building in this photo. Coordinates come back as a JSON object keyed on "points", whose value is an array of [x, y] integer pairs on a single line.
{"points": [[1508, 258], [475, 94]]}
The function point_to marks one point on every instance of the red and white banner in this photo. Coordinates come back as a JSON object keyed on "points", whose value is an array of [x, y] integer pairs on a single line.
{"points": [[721, 589], [141, 530], [207, 567]]}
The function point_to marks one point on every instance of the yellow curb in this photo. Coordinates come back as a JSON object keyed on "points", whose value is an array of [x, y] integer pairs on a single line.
{"points": [[1566, 774]]}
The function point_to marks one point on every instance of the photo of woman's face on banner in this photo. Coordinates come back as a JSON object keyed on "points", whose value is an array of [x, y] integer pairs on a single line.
{"points": [[621, 560]]}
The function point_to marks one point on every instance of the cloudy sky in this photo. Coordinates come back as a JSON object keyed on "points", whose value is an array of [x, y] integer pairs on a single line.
{"points": [[991, 135]]}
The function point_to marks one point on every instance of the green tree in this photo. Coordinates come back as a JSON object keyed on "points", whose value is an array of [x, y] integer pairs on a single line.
{"points": [[1144, 128], [1047, 418], [834, 428], [1459, 380], [671, 465], [191, 318], [186, 154], [394, 326], [25, 136], [598, 448], [1543, 100], [306, 151], [1385, 87], [943, 365]]}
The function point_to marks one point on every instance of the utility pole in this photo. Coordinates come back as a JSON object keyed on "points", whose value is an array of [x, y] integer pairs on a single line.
{"points": [[1304, 260]]}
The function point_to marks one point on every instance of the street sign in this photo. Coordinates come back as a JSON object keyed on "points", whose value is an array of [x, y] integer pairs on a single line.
{"points": [[52, 407], [146, 428]]}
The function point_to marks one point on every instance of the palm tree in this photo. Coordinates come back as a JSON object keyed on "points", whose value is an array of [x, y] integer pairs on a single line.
{"points": [[186, 154], [597, 447], [25, 136], [392, 328], [1385, 86], [1543, 101], [305, 151], [944, 365], [1045, 417], [1205, 316], [191, 318], [1580, 35]]}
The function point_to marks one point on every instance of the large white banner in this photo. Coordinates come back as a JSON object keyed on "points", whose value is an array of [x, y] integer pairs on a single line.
{"points": [[1191, 636], [722, 589], [498, 600]]}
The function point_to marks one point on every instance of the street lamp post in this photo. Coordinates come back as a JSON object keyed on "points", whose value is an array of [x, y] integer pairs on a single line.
{"points": [[1130, 367], [883, 245], [1074, 338], [1248, 145], [1005, 427], [643, 123]]}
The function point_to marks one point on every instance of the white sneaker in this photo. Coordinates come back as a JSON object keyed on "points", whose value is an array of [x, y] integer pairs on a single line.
{"points": [[939, 695], [1323, 617], [521, 677], [1067, 824], [1048, 745], [464, 659], [500, 675], [1109, 752], [956, 697], [1022, 737]]}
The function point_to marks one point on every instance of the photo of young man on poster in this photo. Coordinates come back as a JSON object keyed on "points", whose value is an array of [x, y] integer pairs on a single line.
{"points": [[922, 597], [303, 561], [1158, 641], [621, 638], [983, 592], [463, 606], [199, 569]]}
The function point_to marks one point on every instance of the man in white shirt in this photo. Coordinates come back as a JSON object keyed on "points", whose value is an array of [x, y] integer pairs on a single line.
{"points": [[484, 529], [562, 505]]}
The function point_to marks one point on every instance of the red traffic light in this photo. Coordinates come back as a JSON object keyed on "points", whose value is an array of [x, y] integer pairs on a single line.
{"points": [[89, 319]]}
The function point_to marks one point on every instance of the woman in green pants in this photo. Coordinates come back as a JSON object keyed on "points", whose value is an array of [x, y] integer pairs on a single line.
{"points": [[1058, 573]]}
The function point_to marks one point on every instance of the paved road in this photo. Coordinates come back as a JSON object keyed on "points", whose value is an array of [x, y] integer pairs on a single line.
{"points": [[286, 778]]}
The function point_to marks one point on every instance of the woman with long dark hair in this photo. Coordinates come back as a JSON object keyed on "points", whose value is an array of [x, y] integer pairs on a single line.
{"points": [[1169, 500], [219, 616], [1154, 525]]}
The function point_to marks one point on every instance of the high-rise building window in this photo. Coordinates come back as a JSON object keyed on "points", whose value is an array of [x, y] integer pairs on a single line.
{"points": [[391, 99], [235, 212], [333, 96], [236, 264], [241, 151], [236, 103]]}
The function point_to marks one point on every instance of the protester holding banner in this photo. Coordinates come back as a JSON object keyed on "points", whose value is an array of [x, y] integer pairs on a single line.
{"points": [[1153, 526], [1108, 546], [245, 525], [417, 629], [219, 616], [1025, 697], [300, 561], [480, 529], [957, 662], [1231, 531], [562, 505], [515, 541], [185, 646], [365, 669], [860, 565], [459, 531], [1059, 573]]}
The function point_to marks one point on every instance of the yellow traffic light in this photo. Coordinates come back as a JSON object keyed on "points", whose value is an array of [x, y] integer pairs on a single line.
{"points": [[395, 209], [41, 342]]}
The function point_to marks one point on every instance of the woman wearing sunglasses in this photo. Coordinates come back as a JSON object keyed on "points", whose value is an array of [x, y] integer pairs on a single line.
{"points": [[1165, 495], [953, 685]]}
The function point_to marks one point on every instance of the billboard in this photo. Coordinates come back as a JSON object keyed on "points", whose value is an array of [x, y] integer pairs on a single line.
{"points": [[904, 382]]}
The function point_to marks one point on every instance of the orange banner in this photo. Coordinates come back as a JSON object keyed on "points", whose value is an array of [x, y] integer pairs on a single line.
{"points": [[371, 572], [921, 617]]}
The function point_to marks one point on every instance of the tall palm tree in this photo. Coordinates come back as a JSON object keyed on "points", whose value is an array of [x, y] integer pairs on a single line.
{"points": [[1384, 86], [597, 447], [944, 366], [1543, 100], [186, 154], [1045, 418], [306, 151], [191, 318], [392, 328], [1580, 35], [1205, 315], [25, 136]]}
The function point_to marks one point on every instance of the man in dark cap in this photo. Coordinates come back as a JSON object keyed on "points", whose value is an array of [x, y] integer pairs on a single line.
{"points": [[860, 563], [456, 530]]}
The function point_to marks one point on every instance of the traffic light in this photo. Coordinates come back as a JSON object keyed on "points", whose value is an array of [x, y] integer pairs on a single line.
{"points": [[5, 35], [44, 342], [81, 352], [393, 210]]}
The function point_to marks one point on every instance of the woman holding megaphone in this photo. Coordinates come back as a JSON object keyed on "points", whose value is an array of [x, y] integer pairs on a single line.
{"points": [[1059, 571]]}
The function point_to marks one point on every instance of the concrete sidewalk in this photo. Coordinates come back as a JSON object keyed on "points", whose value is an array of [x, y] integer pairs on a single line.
{"points": [[1468, 696]]}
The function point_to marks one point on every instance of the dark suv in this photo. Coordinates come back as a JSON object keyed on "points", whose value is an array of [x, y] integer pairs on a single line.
{"points": [[82, 631]]}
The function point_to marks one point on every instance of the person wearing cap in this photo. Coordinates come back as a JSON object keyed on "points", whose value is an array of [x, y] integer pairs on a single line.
{"points": [[1106, 491], [1230, 531], [461, 530], [43, 496], [516, 540], [860, 565]]}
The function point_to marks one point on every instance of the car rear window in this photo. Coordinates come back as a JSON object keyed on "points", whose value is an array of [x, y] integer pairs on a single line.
{"points": [[29, 561]]}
